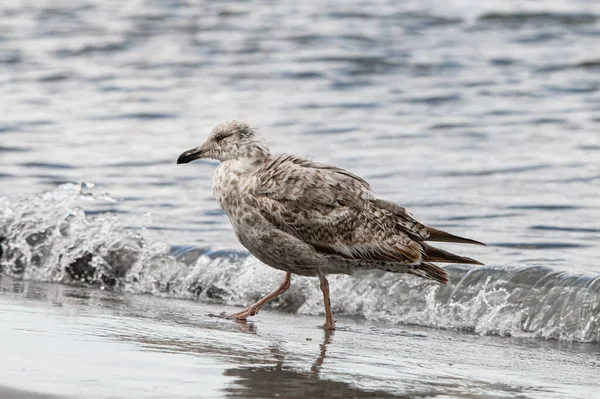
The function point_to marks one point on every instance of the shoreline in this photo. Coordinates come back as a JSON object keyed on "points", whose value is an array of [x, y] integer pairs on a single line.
{"points": [[63, 340]]}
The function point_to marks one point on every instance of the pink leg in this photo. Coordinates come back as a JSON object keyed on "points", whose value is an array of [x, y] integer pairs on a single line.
{"points": [[254, 308], [329, 321]]}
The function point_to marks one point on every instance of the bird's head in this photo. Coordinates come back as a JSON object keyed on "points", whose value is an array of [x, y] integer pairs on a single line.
{"points": [[227, 141]]}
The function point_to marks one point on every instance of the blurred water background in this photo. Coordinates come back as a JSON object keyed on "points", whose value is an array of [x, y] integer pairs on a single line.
{"points": [[482, 118]]}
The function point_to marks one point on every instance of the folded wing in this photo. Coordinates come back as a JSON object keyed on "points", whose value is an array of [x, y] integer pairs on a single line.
{"points": [[334, 211]]}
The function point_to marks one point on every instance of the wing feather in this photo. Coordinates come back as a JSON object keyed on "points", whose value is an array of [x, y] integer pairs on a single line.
{"points": [[334, 211], [331, 209]]}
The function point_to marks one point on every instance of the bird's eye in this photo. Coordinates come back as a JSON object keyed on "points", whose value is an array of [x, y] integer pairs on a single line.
{"points": [[219, 137]]}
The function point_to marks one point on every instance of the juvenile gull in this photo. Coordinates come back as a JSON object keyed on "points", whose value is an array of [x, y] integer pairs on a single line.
{"points": [[312, 219]]}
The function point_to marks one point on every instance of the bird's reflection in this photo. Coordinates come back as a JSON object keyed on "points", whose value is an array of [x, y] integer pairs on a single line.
{"points": [[284, 377], [279, 353], [316, 367], [245, 326]]}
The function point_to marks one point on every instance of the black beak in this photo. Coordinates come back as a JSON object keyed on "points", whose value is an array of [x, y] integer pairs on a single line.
{"points": [[190, 155]]}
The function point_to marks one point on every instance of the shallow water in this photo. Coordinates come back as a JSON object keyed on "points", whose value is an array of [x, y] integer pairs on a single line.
{"points": [[76, 342], [481, 119]]}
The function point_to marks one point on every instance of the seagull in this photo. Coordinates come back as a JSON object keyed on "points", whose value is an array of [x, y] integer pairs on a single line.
{"points": [[312, 219]]}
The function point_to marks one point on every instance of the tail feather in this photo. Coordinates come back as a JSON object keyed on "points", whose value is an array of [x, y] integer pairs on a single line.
{"points": [[442, 236], [432, 254], [429, 271]]}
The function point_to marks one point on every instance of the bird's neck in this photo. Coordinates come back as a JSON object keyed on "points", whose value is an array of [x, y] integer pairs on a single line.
{"points": [[249, 156], [256, 151], [243, 165], [230, 179]]}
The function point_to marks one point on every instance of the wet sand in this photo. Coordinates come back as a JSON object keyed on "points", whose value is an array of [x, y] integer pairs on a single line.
{"points": [[10, 393], [78, 342]]}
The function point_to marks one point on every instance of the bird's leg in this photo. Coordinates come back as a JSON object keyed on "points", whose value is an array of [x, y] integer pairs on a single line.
{"points": [[254, 308], [329, 321]]}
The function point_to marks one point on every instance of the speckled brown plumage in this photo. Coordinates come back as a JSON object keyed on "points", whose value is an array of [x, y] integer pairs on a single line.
{"points": [[312, 219]]}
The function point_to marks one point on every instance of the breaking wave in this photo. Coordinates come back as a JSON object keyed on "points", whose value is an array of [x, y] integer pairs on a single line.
{"points": [[49, 237]]}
